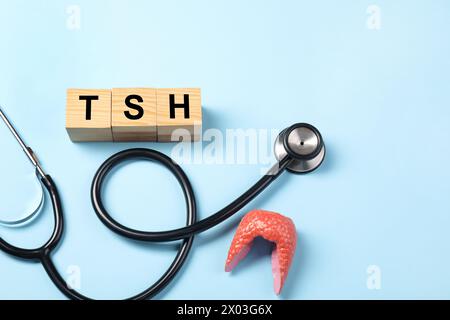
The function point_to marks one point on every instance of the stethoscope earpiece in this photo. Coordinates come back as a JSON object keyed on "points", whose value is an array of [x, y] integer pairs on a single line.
{"points": [[303, 143]]}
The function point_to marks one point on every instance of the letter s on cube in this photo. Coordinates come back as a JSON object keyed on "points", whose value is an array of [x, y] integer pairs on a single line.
{"points": [[134, 114]]}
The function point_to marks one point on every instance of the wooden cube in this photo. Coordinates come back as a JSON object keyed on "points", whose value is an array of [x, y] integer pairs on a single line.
{"points": [[179, 114], [134, 114], [88, 115]]}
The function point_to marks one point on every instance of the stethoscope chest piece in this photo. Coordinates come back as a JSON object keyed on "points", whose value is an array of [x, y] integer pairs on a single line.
{"points": [[304, 144]]}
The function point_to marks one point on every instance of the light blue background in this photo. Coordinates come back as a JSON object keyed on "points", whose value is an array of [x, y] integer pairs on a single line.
{"points": [[380, 98]]}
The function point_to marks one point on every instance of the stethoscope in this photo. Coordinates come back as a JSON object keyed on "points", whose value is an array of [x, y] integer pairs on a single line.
{"points": [[298, 149]]}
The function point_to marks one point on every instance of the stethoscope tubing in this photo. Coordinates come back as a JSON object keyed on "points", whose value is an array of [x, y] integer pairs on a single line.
{"points": [[176, 234], [187, 234]]}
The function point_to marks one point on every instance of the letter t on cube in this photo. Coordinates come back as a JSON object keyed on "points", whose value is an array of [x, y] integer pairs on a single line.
{"points": [[88, 115]]}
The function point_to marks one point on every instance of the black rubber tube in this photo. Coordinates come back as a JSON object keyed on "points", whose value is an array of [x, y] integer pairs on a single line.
{"points": [[176, 234], [43, 254]]}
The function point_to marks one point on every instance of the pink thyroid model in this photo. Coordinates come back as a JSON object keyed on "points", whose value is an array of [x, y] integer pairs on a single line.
{"points": [[273, 227]]}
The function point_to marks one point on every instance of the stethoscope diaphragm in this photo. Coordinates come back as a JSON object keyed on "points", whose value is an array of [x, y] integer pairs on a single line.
{"points": [[31, 213]]}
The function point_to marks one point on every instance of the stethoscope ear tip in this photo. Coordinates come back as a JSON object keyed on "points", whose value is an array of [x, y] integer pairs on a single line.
{"points": [[304, 144]]}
